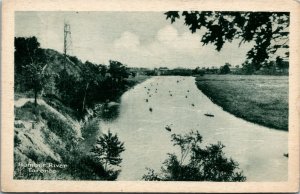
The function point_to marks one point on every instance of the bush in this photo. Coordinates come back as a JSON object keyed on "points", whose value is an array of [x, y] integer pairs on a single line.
{"points": [[61, 128], [107, 152], [28, 112], [204, 164], [17, 140], [90, 128]]}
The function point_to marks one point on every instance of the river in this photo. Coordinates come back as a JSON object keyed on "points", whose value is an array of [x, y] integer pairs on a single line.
{"points": [[177, 102]]}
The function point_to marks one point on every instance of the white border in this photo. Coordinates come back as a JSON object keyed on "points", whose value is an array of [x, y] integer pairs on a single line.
{"points": [[7, 103]]}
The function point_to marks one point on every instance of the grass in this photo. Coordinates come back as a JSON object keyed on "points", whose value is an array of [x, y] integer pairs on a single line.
{"points": [[60, 107], [259, 99]]}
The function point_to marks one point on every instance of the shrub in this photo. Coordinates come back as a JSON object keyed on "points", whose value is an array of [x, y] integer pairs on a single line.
{"points": [[107, 152], [204, 164], [17, 140], [27, 112], [61, 128]]}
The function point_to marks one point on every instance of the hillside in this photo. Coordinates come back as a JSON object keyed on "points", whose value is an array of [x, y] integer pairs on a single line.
{"points": [[57, 60], [56, 123]]}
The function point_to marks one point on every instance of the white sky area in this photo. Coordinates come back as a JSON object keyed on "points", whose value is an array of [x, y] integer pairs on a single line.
{"points": [[137, 39]]}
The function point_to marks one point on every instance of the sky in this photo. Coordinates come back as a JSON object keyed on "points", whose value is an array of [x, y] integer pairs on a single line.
{"points": [[137, 39]]}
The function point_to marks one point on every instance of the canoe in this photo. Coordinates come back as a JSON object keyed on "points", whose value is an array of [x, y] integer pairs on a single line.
{"points": [[168, 128]]}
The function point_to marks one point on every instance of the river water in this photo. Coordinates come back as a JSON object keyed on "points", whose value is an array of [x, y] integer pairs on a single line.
{"points": [[177, 102]]}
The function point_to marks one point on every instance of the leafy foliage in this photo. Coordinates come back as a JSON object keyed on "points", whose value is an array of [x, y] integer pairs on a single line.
{"points": [[108, 149], [117, 70], [204, 164], [248, 68], [30, 63], [76, 84], [268, 30], [225, 69], [95, 84]]}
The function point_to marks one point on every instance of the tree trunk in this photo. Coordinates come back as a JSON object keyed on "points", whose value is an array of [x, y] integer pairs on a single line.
{"points": [[35, 97], [84, 98], [105, 167], [35, 106]]}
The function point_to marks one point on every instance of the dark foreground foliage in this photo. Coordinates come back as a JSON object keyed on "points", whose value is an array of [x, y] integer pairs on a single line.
{"points": [[196, 163], [106, 152], [268, 30]]}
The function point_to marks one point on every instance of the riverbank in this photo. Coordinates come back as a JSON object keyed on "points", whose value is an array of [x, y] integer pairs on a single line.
{"points": [[51, 133], [132, 81], [259, 99]]}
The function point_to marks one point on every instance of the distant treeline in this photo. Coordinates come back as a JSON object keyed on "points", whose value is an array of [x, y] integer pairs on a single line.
{"points": [[278, 67]]}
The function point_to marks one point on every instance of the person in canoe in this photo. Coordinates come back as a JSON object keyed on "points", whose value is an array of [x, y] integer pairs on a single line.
{"points": [[168, 128]]}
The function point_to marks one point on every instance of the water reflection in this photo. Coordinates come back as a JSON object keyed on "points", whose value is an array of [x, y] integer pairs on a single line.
{"points": [[108, 111]]}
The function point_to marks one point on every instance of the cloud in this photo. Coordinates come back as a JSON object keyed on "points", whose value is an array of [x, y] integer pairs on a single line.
{"points": [[185, 42], [167, 34], [128, 40], [170, 48]]}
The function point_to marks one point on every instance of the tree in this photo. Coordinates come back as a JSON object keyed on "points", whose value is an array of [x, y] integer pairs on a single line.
{"points": [[118, 71], [204, 164], [281, 64], [248, 68], [91, 74], [268, 30], [30, 64], [225, 69], [108, 149]]}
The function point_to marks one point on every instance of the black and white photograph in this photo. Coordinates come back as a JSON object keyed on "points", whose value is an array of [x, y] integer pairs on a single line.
{"points": [[152, 96]]}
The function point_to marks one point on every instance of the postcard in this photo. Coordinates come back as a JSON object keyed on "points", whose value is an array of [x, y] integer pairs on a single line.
{"points": [[150, 96]]}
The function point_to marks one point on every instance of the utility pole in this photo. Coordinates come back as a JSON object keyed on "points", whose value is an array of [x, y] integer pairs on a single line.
{"points": [[67, 41], [67, 48]]}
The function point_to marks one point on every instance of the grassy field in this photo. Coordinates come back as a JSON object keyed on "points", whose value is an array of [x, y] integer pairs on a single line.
{"points": [[258, 99]]}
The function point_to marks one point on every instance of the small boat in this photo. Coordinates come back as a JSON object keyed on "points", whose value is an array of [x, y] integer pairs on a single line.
{"points": [[150, 109], [209, 115], [193, 104], [286, 155], [168, 128]]}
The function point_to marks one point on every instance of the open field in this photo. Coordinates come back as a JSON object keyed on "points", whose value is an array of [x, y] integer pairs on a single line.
{"points": [[258, 99]]}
